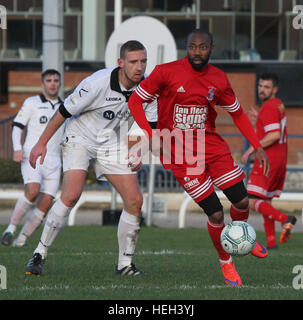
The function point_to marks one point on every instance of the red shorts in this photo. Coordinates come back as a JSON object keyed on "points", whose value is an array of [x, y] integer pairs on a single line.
{"points": [[221, 171], [266, 187]]}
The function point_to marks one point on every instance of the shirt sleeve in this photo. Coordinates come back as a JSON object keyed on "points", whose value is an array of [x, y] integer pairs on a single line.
{"points": [[228, 100], [270, 119], [82, 98], [16, 138], [23, 116], [147, 91]]}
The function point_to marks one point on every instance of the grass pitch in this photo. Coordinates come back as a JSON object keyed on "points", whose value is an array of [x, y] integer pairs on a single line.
{"points": [[181, 265]]}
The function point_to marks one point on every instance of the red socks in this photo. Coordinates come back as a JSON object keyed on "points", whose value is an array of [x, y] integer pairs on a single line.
{"points": [[269, 227], [214, 231], [238, 214], [268, 210]]}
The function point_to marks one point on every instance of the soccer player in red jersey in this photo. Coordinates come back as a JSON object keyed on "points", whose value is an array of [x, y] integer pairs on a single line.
{"points": [[272, 133], [187, 91]]}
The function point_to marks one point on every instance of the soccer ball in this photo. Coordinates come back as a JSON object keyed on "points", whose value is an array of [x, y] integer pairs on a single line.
{"points": [[238, 238]]}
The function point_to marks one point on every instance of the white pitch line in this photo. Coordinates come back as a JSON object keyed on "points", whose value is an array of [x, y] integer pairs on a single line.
{"points": [[186, 287]]}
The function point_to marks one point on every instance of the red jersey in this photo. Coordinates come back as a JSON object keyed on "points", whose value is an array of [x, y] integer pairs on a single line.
{"points": [[186, 103], [272, 117], [186, 97]]}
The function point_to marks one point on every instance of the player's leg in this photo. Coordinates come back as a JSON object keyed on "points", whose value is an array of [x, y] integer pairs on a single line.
{"points": [[270, 232], [32, 181], [228, 176], [72, 186], [265, 208], [129, 223], [73, 181], [51, 174], [34, 219], [214, 210], [237, 195], [261, 191], [24, 204], [239, 211], [201, 189]]}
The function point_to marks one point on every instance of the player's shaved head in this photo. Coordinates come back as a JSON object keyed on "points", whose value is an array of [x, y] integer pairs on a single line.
{"points": [[203, 32], [131, 45]]}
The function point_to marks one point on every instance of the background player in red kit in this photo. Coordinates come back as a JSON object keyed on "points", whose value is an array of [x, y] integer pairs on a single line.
{"points": [[187, 91], [272, 133]]}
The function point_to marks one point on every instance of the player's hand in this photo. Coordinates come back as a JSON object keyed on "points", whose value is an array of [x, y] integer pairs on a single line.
{"points": [[246, 155], [252, 114], [39, 150], [135, 158], [18, 156], [138, 150], [136, 153], [261, 156]]}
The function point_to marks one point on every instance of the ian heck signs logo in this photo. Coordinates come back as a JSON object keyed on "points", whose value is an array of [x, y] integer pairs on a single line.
{"points": [[189, 116]]}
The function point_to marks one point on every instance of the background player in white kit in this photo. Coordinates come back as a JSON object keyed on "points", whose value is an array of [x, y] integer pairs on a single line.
{"points": [[41, 184], [99, 114]]}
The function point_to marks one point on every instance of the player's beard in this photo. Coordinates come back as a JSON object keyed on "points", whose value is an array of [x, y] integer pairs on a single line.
{"points": [[198, 66], [264, 98]]}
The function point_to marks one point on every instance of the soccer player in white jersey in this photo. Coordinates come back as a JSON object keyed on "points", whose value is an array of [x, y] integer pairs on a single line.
{"points": [[41, 184], [96, 130]]}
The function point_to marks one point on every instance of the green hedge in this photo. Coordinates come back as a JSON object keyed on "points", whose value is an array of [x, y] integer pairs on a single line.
{"points": [[10, 171]]}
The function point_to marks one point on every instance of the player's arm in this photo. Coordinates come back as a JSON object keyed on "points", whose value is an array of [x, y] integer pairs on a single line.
{"points": [[39, 150], [20, 122], [244, 125], [146, 119], [135, 105], [17, 147], [268, 140], [74, 104], [146, 92], [230, 103]]}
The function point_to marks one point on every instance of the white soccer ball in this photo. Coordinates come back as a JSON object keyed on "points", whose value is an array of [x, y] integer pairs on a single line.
{"points": [[238, 238]]}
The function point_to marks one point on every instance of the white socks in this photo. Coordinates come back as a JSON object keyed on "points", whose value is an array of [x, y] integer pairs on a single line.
{"points": [[56, 220], [32, 222], [21, 208], [128, 230]]}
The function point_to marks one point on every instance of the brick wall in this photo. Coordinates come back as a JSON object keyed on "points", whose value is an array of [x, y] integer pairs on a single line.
{"points": [[23, 84]]}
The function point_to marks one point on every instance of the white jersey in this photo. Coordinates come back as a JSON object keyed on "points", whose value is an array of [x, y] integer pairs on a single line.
{"points": [[100, 110], [35, 115]]}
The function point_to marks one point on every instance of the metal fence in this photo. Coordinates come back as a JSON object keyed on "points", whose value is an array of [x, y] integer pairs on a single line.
{"points": [[164, 179]]}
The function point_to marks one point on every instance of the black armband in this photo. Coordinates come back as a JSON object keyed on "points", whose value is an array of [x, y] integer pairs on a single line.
{"points": [[153, 125], [64, 112], [18, 124]]}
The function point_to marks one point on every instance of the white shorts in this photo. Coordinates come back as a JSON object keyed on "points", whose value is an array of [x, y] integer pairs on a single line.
{"points": [[108, 159], [47, 175]]}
